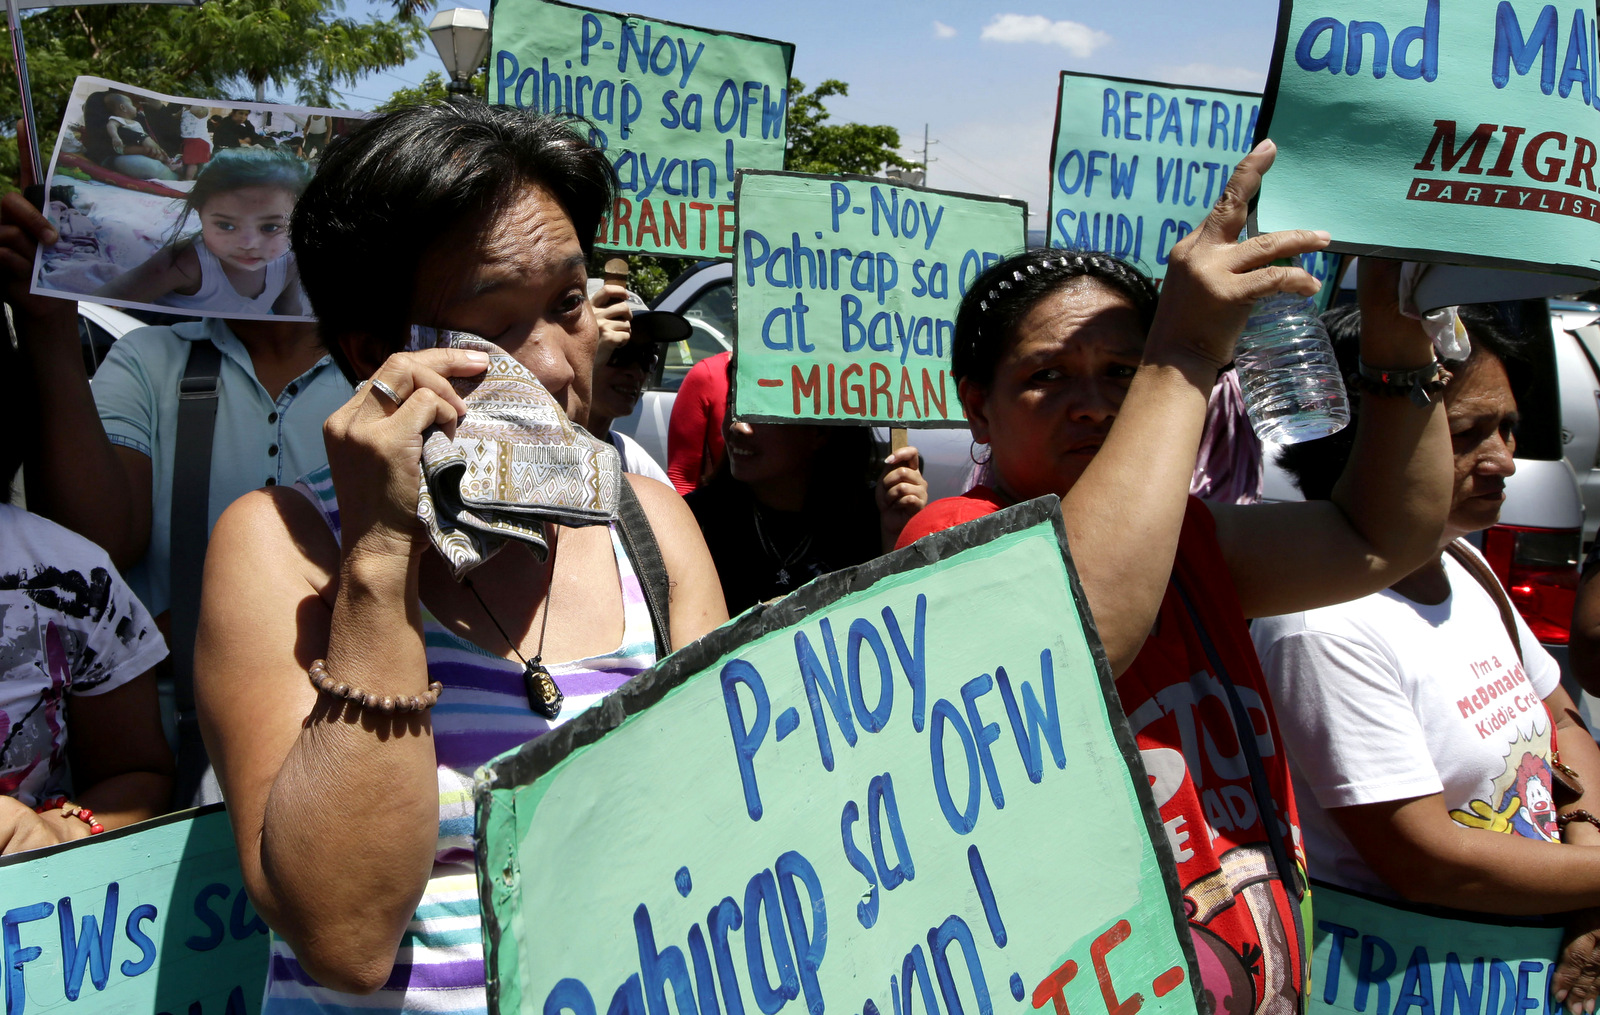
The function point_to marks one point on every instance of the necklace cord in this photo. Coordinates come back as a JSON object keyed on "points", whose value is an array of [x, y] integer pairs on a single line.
{"points": [[544, 625]]}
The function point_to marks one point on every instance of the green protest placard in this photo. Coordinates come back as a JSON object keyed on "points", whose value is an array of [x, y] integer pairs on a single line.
{"points": [[148, 919], [1461, 133], [866, 798], [1410, 958], [1135, 165], [847, 288], [678, 109]]}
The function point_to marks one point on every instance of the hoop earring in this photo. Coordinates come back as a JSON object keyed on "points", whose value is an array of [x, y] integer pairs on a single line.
{"points": [[972, 453]]}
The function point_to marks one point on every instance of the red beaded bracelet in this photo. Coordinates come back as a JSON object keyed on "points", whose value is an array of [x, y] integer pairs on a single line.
{"points": [[323, 681], [83, 814]]}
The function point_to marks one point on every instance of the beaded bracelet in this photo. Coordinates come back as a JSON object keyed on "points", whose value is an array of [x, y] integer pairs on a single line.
{"points": [[1563, 820], [84, 814], [323, 681]]}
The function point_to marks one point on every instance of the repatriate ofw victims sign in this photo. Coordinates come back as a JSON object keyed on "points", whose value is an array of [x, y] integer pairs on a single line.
{"points": [[1462, 132]]}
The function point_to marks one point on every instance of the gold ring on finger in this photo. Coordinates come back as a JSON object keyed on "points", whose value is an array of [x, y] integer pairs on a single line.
{"points": [[387, 392]]}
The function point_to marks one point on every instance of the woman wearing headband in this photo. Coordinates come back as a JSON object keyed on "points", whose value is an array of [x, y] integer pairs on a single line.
{"points": [[1082, 387]]}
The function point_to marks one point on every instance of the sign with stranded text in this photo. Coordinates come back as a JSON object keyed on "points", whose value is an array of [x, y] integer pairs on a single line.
{"points": [[847, 289], [1461, 132], [890, 792], [678, 110], [1429, 960]]}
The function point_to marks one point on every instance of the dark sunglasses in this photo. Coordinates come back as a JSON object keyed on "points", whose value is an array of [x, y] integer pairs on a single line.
{"points": [[645, 355]]}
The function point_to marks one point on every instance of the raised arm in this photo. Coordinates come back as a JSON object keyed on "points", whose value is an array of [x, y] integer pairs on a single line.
{"points": [[1124, 515], [335, 810], [1388, 508], [76, 476]]}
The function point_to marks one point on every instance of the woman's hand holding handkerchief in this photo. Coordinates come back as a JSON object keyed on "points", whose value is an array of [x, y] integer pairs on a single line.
{"points": [[514, 463]]}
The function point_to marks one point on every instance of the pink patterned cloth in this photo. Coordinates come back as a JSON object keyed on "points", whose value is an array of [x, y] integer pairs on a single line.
{"points": [[1229, 467]]}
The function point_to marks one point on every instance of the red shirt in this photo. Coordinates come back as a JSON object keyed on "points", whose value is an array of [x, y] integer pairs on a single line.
{"points": [[1246, 930], [694, 433]]}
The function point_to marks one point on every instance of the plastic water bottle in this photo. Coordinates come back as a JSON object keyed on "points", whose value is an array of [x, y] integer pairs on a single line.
{"points": [[1292, 387]]}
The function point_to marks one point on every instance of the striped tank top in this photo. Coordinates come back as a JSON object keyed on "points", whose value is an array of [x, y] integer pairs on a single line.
{"points": [[484, 712]]}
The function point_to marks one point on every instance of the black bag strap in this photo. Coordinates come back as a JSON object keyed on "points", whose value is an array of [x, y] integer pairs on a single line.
{"points": [[191, 513], [1245, 731], [639, 539]]}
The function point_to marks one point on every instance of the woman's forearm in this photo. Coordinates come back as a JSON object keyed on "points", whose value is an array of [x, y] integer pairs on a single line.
{"points": [[1395, 491], [76, 476], [1490, 872], [129, 797], [351, 823], [1124, 515]]}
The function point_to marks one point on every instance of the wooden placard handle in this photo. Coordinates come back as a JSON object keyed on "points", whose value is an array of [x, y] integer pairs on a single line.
{"points": [[616, 270], [898, 438]]}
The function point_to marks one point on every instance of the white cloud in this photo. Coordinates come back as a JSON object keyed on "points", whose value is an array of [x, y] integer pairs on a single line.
{"points": [[1210, 74], [1079, 40], [943, 30]]}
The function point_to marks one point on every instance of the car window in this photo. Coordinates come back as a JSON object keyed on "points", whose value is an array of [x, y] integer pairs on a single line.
{"points": [[96, 342], [710, 314], [713, 305]]}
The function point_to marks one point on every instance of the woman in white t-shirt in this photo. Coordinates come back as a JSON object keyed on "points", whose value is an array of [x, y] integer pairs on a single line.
{"points": [[1416, 725], [76, 650]]}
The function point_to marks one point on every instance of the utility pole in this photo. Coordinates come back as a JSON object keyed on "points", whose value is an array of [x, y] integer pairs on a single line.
{"points": [[926, 161]]}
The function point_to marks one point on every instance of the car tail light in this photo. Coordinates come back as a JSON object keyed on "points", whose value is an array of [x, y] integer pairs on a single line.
{"points": [[1539, 567]]}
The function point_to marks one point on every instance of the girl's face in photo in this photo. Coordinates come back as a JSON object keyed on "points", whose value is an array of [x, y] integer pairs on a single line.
{"points": [[248, 227]]}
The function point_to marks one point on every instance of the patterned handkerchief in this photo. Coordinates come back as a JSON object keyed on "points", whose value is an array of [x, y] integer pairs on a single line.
{"points": [[515, 463]]}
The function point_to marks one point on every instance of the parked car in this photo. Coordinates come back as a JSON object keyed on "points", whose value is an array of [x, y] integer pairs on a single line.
{"points": [[98, 328]]}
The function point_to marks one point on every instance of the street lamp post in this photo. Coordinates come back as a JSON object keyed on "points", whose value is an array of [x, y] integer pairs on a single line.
{"points": [[461, 36]]}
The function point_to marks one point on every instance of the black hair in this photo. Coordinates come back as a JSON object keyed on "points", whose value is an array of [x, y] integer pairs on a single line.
{"points": [[1004, 294], [386, 193], [1317, 465], [236, 168]]}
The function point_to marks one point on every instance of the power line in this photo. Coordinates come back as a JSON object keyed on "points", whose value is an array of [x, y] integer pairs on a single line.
{"points": [[981, 167]]}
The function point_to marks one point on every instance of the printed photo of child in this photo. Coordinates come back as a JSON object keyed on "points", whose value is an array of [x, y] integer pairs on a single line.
{"points": [[198, 226]]}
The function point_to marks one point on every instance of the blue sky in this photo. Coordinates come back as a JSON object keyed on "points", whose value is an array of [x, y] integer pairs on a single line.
{"points": [[981, 76]]}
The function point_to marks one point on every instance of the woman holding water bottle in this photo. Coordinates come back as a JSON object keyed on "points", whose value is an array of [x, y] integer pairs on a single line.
{"points": [[1083, 386]]}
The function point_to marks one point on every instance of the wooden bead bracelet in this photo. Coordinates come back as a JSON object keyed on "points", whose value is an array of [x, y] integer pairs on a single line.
{"points": [[323, 681], [1563, 820], [70, 810]]}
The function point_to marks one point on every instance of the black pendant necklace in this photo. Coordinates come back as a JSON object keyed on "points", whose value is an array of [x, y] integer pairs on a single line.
{"points": [[544, 697]]}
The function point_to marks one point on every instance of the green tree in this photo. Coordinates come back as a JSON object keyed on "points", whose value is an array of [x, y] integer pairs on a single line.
{"points": [[433, 88], [816, 146], [223, 49]]}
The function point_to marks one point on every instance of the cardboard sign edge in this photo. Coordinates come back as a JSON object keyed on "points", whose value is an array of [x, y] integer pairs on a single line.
{"points": [[539, 756], [126, 831], [626, 16], [733, 389]]}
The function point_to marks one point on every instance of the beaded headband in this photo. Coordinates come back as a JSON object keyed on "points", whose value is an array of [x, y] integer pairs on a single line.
{"points": [[1075, 261]]}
